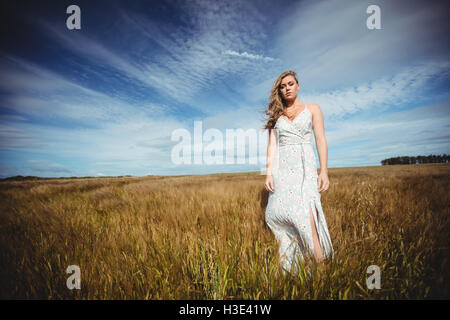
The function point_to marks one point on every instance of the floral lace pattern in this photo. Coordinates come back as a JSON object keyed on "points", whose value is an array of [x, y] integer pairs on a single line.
{"points": [[296, 190]]}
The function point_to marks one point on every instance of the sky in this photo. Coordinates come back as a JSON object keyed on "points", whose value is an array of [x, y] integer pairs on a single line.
{"points": [[108, 99]]}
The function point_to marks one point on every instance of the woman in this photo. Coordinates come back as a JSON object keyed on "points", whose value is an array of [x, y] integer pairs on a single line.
{"points": [[294, 212]]}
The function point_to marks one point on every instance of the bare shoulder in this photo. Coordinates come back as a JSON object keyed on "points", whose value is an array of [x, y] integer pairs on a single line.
{"points": [[314, 108]]}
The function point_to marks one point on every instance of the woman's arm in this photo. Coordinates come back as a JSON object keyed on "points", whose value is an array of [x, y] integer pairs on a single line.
{"points": [[271, 149], [319, 134]]}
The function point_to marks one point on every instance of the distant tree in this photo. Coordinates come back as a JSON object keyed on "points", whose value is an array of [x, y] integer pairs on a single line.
{"points": [[416, 159]]}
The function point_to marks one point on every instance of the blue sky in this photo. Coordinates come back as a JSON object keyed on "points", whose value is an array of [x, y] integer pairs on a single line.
{"points": [[105, 100]]}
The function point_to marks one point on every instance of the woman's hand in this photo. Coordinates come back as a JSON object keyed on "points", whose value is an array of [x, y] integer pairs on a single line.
{"points": [[323, 182], [269, 185]]}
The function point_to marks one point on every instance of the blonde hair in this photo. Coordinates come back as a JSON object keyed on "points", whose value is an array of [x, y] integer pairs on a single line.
{"points": [[276, 104]]}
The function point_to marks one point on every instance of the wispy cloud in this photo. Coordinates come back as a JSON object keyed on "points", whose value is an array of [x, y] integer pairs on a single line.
{"points": [[39, 92], [330, 47], [410, 85], [248, 55], [190, 57], [13, 137], [39, 166]]}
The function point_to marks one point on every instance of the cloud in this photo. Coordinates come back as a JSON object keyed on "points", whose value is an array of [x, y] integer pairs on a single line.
{"points": [[329, 46], [45, 167], [188, 57], [418, 131], [411, 85], [13, 137], [40, 93], [247, 55]]}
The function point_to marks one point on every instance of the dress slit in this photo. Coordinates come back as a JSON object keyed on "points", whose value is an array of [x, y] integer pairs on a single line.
{"points": [[321, 228], [312, 211]]}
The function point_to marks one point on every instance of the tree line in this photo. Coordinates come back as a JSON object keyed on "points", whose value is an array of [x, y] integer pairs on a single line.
{"points": [[417, 159]]}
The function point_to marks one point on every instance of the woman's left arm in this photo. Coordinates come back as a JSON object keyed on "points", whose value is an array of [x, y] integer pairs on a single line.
{"points": [[321, 144]]}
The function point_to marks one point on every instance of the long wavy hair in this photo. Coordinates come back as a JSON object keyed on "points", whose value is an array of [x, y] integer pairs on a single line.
{"points": [[276, 104]]}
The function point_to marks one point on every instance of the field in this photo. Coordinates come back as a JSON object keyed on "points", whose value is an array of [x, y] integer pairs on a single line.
{"points": [[204, 237]]}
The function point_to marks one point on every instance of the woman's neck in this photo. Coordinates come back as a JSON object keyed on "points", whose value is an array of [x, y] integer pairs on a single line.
{"points": [[294, 104]]}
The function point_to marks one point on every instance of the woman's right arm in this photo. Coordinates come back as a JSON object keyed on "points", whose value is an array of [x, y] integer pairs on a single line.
{"points": [[271, 149]]}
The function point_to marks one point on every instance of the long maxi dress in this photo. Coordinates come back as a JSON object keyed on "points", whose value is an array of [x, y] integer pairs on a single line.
{"points": [[295, 191]]}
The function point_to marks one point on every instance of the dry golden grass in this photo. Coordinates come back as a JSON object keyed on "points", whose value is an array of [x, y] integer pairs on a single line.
{"points": [[204, 237]]}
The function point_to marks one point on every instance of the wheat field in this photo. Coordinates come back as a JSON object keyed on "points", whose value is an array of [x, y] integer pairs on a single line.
{"points": [[204, 237]]}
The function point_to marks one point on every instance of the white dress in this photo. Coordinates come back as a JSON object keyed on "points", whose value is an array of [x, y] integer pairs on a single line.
{"points": [[295, 190]]}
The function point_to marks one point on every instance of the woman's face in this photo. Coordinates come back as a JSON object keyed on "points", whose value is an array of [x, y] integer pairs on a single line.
{"points": [[289, 88]]}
